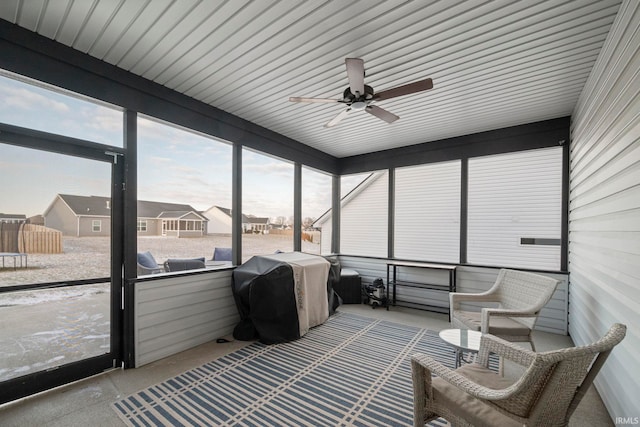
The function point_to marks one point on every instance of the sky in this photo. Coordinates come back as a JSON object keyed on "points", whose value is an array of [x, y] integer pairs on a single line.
{"points": [[174, 165]]}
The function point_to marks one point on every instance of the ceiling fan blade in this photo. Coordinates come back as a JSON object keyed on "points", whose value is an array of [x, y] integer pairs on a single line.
{"points": [[337, 119], [327, 100], [407, 89], [355, 73], [381, 113]]}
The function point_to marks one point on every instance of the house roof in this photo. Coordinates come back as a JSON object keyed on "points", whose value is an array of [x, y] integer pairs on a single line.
{"points": [[148, 209], [12, 216], [177, 214], [255, 220], [101, 206], [493, 64], [226, 211], [87, 205], [246, 219], [350, 196]]}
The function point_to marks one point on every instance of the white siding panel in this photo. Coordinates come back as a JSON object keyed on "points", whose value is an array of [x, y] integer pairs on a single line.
{"points": [[427, 212], [113, 33], [364, 219], [325, 237], [137, 26], [512, 196], [74, 21], [173, 314], [604, 216]]}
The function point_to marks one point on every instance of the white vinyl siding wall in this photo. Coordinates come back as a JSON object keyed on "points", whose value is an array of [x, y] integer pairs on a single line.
{"points": [[364, 218], [604, 211], [325, 237], [513, 196], [173, 314], [427, 212]]}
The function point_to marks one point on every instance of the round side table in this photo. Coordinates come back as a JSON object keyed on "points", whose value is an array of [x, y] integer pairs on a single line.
{"points": [[461, 340]]}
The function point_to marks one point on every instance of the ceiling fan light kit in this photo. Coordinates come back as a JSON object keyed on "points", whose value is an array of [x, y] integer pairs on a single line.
{"points": [[359, 96]]}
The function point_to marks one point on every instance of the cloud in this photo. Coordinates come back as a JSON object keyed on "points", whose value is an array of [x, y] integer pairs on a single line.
{"points": [[186, 169], [200, 195], [153, 132], [104, 119], [155, 160], [274, 169], [26, 99], [271, 205]]}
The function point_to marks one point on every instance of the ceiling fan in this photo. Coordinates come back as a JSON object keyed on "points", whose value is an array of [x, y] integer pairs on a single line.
{"points": [[359, 96]]}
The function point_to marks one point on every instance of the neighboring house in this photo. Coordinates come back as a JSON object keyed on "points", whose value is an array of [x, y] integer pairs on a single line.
{"points": [[358, 217], [219, 221], [12, 218], [36, 220], [254, 224], [91, 216], [170, 219]]}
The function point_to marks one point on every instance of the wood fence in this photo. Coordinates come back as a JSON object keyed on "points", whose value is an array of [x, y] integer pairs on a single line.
{"points": [[313, 236], [30, 239], [279, 231], [38, 239]]}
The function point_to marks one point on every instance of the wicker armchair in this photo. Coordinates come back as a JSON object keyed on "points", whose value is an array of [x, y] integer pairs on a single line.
{"points": [[519, 295], [546, 394]]}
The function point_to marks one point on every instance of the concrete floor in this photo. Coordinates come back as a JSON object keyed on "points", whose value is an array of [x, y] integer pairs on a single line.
{"points": [[87, 402]]}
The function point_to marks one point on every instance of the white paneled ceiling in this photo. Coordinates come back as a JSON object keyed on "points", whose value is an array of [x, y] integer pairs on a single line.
{"points": [[493, 63]]}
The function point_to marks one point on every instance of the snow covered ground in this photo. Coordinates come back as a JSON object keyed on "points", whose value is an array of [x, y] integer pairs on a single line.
{"points": [[44, 328], [88, 257]]}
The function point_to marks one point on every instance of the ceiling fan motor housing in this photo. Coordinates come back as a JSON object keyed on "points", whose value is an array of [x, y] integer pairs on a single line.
{"points": [[350, 98]]}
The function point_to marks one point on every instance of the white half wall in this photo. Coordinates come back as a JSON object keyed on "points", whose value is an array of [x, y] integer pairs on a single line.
{"points": [[173, 314]]}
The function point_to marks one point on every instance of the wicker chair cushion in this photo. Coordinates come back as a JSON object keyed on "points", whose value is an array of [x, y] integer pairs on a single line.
{"points": [[184, 264], [147, 260], [498, 325], [222, 254], [471, 409]]}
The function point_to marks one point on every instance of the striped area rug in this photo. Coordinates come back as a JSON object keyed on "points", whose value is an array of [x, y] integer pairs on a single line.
{"points": [[350, 371]]}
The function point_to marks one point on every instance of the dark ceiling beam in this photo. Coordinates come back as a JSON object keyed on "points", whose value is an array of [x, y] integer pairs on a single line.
{"points": [[548, 133], [39, 140], [29, 54]]}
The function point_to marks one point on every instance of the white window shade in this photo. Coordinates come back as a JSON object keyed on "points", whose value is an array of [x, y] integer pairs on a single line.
{"points": [[514, 209], [427, 212]]}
